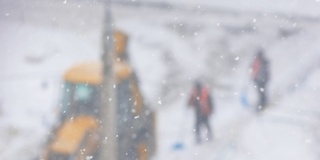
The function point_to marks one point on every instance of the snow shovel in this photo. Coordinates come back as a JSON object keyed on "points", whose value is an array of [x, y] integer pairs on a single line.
{"points": [[244, 99], [179, 145]]}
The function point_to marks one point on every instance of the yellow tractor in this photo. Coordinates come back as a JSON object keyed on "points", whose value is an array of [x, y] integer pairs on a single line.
{"points": [[78, 135]]}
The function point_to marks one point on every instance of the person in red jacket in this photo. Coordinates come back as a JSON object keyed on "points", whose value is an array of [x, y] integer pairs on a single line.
{"points": [[200, 100], [260, 76]]}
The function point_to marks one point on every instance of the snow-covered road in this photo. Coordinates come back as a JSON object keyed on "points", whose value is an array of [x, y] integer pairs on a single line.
{"points": [[168, 49]]}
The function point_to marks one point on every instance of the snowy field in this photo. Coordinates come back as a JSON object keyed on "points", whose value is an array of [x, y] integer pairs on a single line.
{"points": [[289, 8], [169, 48]]}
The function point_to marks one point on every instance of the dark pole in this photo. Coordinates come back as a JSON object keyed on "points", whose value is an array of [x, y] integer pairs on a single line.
{"points": [[108, 142]]}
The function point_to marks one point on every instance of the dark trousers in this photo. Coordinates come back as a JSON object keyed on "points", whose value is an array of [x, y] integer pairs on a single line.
{"points": [[202, 121], [262, 93]]}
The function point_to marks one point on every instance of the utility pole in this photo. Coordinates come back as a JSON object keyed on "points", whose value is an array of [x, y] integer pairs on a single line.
{"points": [[108, 142]]}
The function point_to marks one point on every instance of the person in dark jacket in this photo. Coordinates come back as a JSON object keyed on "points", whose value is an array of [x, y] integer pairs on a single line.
{"points": [[260, 76], [200, 100]]}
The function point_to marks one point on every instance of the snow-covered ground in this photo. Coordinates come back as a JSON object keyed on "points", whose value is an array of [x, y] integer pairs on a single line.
{"points": [[288, 8], [169, 49]]}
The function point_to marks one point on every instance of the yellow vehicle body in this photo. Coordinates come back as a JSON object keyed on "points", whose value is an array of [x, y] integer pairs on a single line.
{"points": [[91, 72], [121, 40], [78, 135], [71, 133]]}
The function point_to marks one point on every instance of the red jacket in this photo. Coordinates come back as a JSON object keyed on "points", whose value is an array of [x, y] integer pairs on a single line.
{"points": [[201, 100]]}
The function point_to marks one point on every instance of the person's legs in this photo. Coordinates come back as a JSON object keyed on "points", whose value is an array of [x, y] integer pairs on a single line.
{"points": [[208, 126], [263, 97], [197, 127], [258, 106]]}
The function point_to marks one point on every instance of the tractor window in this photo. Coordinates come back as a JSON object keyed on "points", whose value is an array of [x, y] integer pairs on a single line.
{"points": [[85, 99], [79, 99], [66, 99], [83, 93]]}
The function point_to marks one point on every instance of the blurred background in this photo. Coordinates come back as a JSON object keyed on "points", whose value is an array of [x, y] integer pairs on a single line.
{"points": [[52, 80]]}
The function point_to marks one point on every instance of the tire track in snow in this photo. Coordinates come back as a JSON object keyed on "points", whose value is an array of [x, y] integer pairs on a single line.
{"points": [[230, 139]]}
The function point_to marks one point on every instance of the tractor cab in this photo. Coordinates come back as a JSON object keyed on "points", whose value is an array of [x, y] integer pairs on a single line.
{"points": [[78, 135], [81, 91]]}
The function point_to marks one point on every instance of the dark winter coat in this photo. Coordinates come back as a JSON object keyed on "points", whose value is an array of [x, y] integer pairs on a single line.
{"points": [[260, 70], [201, 100]]}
